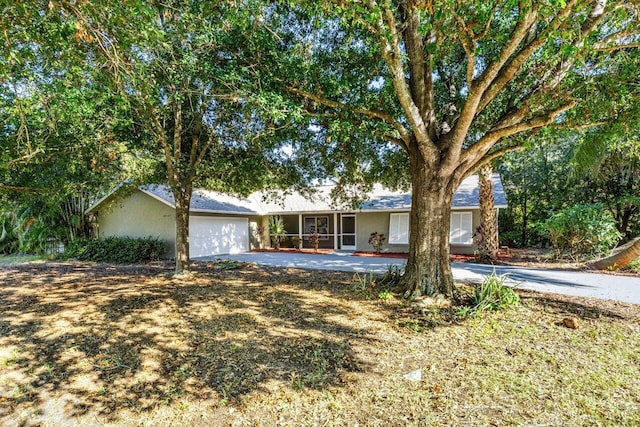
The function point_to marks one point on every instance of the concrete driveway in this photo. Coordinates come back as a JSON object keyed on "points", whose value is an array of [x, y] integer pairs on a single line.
{"points": [[602, 286]]}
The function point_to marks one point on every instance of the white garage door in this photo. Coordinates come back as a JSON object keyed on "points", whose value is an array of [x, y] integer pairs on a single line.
{"points": [[217, 236]]}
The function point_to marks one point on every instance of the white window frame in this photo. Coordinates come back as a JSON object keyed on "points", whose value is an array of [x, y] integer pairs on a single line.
{"points": [[323, 231], [398, 234], [456, 231]]}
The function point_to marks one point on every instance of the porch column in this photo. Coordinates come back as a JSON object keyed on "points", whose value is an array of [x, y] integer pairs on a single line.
{"points": [[335, 231], [300, 229], [265, 237]]}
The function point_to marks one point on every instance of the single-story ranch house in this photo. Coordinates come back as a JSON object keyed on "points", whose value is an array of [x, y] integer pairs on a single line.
{"points": [[223, 224]]}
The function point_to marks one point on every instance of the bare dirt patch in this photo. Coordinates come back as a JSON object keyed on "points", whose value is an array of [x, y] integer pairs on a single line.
{"points": [[239, 344]]}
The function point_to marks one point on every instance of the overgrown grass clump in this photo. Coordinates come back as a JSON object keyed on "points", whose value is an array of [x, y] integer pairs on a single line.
{"points": [[119, 250], [382, 285], [493, 295]]}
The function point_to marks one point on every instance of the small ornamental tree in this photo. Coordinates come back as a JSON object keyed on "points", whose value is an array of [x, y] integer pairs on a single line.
{"points": [[297, 243], [377, 240], [314, 239], [184, 67]]}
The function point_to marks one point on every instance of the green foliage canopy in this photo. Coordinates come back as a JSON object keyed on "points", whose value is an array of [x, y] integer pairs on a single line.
{"points": [[427, 92]]}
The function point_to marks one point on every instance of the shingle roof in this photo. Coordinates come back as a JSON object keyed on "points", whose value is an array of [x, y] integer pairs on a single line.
{"points": [[205, 200], [467, 196], [319, 200]]}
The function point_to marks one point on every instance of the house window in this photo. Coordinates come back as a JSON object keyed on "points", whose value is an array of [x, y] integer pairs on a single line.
{"points": [[461, 228], [399, 228], [317, 224]]}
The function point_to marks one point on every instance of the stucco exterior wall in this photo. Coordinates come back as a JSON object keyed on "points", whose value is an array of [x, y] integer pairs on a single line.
{"points": [[139, 215], [255, 240], [370, 222]]}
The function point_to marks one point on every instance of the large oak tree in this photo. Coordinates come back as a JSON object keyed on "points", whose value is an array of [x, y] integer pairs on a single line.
{"points": [[451, 84], [184, 67]]}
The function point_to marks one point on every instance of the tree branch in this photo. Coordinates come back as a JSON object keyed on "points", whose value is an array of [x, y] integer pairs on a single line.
{"points": [[467, 44], [484, 82], [396, 141], [17, 189], [393, 54], [511, 68], [203, 152], [473, 154], [417, 74], [197, 134], [177, 131], [402, 131], [489, 157], [596, 16], [618, 47]]}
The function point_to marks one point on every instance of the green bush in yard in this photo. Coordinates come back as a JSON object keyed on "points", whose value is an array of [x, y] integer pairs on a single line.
{"points": [[119, 250], [492, 294], [634, 267], [581, 231]]}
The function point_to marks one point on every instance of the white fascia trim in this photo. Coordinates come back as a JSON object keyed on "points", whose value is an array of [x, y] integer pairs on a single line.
{"points": [[301, 213], [222, 212], [245, 219], [454, 208], [158, 198]]}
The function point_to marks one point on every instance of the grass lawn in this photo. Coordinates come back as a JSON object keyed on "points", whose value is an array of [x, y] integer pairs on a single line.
{"points": [[7, 260], [85, 344]]}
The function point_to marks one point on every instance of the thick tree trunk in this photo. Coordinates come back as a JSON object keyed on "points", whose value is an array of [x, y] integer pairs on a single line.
{"points": [[623, 220], [620, 259], [524, 216], [428, 270], [182, 197], [487, 234]]}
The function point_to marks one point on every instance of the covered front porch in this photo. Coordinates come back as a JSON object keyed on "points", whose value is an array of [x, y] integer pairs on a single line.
{"points": [[335, 230]]}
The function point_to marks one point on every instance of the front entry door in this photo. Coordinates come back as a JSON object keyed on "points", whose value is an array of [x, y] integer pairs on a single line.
{"points": [[348, 235]]}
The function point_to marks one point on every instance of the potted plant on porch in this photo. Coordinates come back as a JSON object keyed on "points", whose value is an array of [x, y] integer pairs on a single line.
{"points": [[276, 231]]}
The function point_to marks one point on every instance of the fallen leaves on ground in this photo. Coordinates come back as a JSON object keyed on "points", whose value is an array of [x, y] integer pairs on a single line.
{"points": [[247, 345]]}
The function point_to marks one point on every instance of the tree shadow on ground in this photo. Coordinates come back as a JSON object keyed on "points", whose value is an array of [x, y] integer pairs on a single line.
{"points": [[420, 318], [593, 309], [102, 338]]}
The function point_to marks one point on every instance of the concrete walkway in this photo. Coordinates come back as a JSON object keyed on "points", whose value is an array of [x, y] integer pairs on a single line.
{"points": [[602, 286]]}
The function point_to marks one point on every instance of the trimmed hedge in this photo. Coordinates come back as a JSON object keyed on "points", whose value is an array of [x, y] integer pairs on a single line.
{"points": [[119, 250]]}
